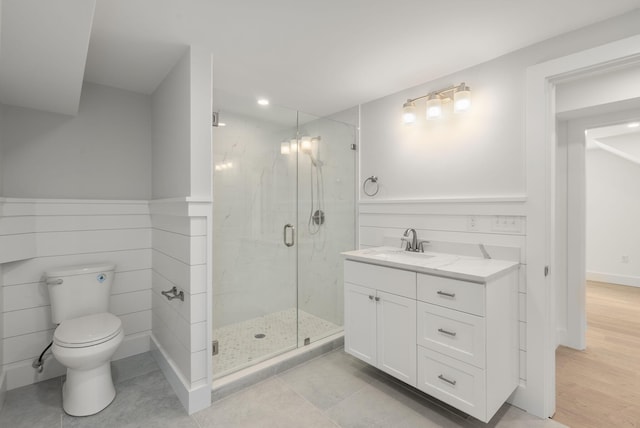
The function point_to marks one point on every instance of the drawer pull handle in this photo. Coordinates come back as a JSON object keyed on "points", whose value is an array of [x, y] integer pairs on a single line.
{"points": [[450, 382], [449, 333], [370, 297], [444, 293]]}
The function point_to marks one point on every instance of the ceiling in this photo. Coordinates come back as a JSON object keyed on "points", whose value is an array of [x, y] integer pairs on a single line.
{"points": [[43, 51], [317, 56], [622, 140]]}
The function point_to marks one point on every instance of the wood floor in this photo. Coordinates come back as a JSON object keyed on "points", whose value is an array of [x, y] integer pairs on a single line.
{"points": [[600, 387]]}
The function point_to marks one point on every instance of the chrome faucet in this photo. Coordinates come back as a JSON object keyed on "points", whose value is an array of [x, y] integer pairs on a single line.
{"points": [[411, 244]]}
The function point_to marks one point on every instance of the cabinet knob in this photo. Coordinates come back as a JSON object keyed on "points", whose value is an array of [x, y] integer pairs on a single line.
{"points": [[370, 297], [377, 299]]}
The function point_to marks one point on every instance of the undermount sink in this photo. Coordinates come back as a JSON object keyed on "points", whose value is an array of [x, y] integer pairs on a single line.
{"points": [[396, 254]]}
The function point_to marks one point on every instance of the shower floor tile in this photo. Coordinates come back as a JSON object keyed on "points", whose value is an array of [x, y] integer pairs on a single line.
{"points": [[239, 347]]}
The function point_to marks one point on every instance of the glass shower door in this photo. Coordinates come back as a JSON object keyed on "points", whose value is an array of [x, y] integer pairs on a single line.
{"points": [[254, 218], [326, 225]]}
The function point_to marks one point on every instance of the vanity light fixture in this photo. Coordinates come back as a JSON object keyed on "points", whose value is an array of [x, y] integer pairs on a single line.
{"points": [[459, 94], [305, 144], [285, 148]]}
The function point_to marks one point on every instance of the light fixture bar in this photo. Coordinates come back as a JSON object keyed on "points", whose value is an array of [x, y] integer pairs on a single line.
{"points": [[460, 94], [440, 92]]}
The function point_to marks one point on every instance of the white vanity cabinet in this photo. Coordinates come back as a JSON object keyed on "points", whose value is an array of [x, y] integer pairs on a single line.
{"points": [[468, 342], [454, 339], [380, 318]]}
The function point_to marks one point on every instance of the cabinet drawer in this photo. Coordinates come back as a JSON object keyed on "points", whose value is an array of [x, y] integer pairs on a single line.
{"points": [[451, 293], [453, 333], [390, 280], [456, 383]]}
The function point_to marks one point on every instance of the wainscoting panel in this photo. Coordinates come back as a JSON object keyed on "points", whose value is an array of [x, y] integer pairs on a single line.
{"points": [[48, 234], [181, 335]]}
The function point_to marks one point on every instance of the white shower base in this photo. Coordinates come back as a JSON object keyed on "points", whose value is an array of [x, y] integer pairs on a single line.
{"points": [[239, 348]]}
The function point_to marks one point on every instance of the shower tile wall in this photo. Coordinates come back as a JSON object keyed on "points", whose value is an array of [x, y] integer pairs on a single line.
{"points": [[253, 199], [256, 196], [320, 289]]}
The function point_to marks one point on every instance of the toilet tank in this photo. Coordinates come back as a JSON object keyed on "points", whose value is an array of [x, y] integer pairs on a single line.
{"points": [[77, 291]]}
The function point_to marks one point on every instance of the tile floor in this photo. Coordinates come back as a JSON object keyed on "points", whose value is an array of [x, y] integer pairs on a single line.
{"points": [[239, 348], [334, 390]]}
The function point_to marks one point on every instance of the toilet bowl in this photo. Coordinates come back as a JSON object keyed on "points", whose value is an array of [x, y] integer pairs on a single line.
{"points": [[85, 346]]}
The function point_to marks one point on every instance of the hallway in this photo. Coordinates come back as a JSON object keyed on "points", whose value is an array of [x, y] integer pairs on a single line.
{"points": [[600, 387]]}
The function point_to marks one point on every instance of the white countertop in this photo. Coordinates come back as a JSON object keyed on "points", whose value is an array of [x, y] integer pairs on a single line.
{"points": [[473, 269]]}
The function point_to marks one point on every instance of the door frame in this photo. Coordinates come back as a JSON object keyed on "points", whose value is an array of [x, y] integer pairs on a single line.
{"points": [[538, 397]]}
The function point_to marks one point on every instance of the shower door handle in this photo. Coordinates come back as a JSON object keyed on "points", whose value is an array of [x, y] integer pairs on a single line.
{"points": [[293, 235]]}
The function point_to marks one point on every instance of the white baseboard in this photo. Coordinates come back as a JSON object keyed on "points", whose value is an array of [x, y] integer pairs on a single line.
{"points": [[632, 281], [21, 373], [193, 397]]}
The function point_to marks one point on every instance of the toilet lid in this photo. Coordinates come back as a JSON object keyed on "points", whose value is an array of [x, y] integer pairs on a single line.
{"points": [[87, 331]]}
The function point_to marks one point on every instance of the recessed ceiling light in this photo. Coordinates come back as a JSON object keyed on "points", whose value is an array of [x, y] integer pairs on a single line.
{"points": [[633, 125], [263, 101]]}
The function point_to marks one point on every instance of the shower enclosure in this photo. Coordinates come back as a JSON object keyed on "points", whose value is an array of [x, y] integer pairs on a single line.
{"points": [[284, 209]]}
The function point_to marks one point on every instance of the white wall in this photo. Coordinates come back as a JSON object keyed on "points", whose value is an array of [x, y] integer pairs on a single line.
{"points": [[480, 153], [102, 153], [200, 108], [181, 212], [613, 210], [171, 126], [597, 90], [100, 160], [72, 232], [3, 383], [468, 160], [1, 145]]}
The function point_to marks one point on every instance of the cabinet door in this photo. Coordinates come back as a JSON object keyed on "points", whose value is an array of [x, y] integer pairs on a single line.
{"points": [[397, 336], [360, 322]]}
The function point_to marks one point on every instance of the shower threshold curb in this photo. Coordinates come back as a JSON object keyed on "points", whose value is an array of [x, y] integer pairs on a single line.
{"points": [[234, 382]]}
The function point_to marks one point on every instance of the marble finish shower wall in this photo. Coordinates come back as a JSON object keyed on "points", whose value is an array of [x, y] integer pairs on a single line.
{"points": [[254, 197], [320, 289]]}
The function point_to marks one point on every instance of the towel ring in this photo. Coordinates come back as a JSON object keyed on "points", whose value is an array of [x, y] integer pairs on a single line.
{"points": [[373, 179]]}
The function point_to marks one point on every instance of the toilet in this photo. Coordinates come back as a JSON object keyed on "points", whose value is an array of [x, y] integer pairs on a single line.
{"points": [[87, 335]]}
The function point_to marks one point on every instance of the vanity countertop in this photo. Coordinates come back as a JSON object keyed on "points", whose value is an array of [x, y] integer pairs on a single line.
{"points": [[474, 269]]}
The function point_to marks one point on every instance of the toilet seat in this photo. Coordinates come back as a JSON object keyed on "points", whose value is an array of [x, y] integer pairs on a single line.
{"points": [[87, 331]]}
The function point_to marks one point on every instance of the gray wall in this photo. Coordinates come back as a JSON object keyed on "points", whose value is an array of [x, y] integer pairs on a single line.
{"points": [[102, 153], [171, 126]]}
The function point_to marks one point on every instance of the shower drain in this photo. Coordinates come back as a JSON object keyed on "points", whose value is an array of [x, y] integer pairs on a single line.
{"points": [[260, 336]]}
